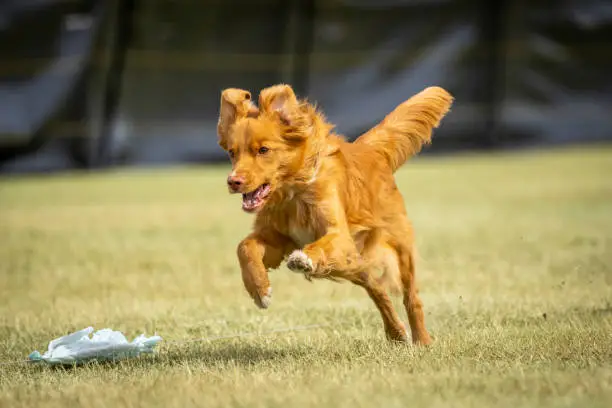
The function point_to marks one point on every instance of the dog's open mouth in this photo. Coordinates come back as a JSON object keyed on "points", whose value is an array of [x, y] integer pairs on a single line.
{"points": [[255, 199]]}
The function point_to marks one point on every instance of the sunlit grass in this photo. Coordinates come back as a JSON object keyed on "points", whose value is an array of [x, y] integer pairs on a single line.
{"points": [[515, 273]]}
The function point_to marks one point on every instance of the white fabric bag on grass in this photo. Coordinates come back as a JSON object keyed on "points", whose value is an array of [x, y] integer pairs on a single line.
{"points": [[104, 345]]}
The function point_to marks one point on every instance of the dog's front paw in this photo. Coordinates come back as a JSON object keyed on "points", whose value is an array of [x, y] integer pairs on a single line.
{"points": [[263, 302], [299, 262]]}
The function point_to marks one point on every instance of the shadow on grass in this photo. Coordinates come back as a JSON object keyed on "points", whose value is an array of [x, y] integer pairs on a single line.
{"points": [[245, 354], [252, 354]]}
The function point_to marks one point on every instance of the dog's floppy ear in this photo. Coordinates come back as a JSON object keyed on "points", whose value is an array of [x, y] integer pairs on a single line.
{"points": [[280, 100], [235, 104]]}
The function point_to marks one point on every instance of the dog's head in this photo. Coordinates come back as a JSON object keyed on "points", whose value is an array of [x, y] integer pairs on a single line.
{"points": [[271, 147]]}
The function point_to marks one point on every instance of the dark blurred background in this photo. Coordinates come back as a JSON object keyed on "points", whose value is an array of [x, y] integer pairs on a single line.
{"points": [[94, 83]]}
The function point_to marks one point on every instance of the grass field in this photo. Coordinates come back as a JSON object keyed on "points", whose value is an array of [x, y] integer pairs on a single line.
{"points": [[515, 272]]}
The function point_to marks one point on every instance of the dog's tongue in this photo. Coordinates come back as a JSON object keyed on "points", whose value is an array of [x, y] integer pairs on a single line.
{"points": [[254, 199]]}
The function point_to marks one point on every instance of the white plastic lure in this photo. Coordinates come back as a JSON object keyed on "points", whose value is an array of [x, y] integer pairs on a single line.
{"points": [[104, 345]]}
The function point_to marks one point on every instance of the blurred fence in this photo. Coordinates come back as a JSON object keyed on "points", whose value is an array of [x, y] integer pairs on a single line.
{"points": [[95, 82]]}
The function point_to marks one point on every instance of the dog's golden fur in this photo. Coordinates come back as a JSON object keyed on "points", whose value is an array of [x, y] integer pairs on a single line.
{"points": [[328, 207]]}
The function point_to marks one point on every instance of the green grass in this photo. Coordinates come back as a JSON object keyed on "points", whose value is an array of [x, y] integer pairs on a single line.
{"points": [[515, 273]]}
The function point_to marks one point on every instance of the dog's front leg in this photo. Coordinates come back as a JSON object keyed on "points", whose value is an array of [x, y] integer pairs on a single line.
{"points": [[333, 255], [257, 253]]}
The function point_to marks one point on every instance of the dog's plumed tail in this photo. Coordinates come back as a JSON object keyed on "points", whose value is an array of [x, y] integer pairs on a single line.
{"points": [[404, 131]]}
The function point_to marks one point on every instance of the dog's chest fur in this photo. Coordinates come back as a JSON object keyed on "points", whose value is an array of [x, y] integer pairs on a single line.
{"points": [[300, 234], [302, 222]]}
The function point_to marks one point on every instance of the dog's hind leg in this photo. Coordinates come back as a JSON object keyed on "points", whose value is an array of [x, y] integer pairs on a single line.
{"points": [[412, 301], [400, 237], [394, 328], [380, 255]]}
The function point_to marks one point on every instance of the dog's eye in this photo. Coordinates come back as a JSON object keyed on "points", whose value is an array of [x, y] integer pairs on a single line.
{"points": [[231, 154], [263, 150]]}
